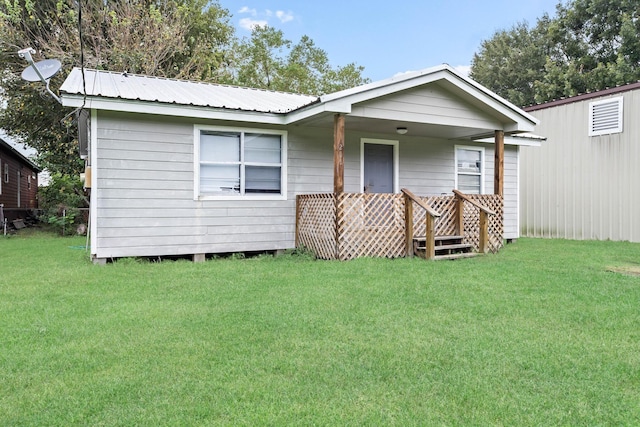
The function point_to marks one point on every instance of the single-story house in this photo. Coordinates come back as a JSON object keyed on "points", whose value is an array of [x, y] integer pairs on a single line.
{"points": [[189, 168], [584, 182], [18, 182]]}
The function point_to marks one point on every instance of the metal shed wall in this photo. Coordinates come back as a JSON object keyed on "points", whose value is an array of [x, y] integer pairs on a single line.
{"points": [[581, 187]]}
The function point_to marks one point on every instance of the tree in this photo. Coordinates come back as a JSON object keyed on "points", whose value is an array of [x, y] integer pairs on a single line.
{"points": [[587, 46], [512, 61], [181, 39], [268, 60]]}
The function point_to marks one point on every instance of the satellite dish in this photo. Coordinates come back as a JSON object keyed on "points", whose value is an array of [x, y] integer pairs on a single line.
{"points": [[41, 71], [45, 69]]}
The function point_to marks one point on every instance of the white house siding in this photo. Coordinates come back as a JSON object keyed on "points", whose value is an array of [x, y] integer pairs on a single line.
{"points": [[581, 187], [145, 177], [144, 197]]}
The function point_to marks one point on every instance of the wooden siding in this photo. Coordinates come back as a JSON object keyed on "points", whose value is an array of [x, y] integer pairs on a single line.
{"points": [[581, 187], [144, 194], [18, 175]]}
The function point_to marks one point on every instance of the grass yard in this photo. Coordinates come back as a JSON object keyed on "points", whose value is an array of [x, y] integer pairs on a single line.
{"points": [[545, 333]]}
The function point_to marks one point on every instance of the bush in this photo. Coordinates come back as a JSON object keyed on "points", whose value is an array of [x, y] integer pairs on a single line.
{"points": [[60, 202]]}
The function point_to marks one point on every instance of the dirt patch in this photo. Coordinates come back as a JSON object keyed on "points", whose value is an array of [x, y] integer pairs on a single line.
{"points": [[628, 270]]}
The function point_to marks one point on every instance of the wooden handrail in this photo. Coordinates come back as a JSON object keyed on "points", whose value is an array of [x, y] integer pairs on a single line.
{"points": [[429, 223], [420, 203], [473, 202]]}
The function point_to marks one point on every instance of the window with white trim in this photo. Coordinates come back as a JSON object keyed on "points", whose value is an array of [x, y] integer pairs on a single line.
{"points": [[605, 116], [470, 169], [240, 163], [6, 172]]}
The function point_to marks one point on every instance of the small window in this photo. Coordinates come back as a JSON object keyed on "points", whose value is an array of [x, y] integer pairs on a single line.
{"points": [[241, 163], [605, 116], [470, 169], [29, 182], [6, 172]]}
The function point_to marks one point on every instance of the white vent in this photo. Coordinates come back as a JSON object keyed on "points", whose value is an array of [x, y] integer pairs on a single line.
{"points": [[605, 116]]}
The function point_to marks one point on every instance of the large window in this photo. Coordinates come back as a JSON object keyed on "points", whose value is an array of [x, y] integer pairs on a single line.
{"points": [[245, 163], [470, 169]]}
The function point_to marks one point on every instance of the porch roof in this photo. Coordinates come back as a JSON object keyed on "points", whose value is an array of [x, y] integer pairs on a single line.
{"points": [[480, 111]]}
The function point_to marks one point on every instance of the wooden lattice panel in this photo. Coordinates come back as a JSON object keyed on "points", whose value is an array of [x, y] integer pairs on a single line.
{"points": [[316, 224], [370, 225], [373, 225], [472, 221]]}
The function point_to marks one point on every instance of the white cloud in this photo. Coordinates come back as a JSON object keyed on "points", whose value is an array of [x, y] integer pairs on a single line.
{"points": [[250, 24], [463, 69], [284, 16], [246, 9], [261, 19]]}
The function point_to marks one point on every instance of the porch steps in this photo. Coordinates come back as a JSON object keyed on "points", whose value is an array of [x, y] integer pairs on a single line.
{"points": [[446, 248]]}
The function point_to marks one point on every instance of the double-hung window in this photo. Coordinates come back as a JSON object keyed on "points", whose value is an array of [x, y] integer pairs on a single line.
{"points": [[469, 169], [240, 163]]}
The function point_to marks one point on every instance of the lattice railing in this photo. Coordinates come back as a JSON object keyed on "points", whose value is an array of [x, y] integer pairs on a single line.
{"points": [[373, 225], [370, 225], [472, 221], [316, 224]]}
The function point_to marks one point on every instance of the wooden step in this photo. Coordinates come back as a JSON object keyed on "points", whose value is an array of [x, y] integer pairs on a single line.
{"points": [[456, 256], [446, 247], [460, 247], [438, 238]]}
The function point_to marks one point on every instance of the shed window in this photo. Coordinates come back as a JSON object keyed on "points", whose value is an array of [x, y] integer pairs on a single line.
{"points": [[605, 116], [244, 163], [6, 172], [469, 169]]}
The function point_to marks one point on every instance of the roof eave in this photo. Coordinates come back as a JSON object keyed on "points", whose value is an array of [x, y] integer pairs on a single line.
{"points": [[175, 110]]}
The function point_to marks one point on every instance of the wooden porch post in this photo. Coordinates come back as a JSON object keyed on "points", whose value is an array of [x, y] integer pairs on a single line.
{"points": [[498, 168], [338, 174], [338, 153]]}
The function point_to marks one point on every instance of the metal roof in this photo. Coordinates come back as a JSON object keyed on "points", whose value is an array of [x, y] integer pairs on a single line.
{"points": [[126, 86]]}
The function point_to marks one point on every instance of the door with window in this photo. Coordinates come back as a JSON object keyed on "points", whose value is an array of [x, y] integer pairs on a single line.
{"points": [[378, 168]]}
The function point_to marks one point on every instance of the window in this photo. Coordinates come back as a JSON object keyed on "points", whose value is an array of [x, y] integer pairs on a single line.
{"points": [[470, 169], [605, 116], [29, 182], [244, 163], [6, 172]]}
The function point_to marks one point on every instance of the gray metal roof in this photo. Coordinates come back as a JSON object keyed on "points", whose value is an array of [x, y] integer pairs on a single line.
{"points": [[156, 89]]}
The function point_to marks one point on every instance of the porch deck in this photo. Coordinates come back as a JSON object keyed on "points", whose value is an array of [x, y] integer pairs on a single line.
{"points": [[345, 226]]}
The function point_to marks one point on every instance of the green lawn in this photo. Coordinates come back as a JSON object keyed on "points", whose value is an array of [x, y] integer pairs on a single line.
{"points": [[542, 334]]}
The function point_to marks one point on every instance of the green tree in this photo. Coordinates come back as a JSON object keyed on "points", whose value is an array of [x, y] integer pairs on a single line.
{"points": [[268, 60], [587, 46], [511, 61]]}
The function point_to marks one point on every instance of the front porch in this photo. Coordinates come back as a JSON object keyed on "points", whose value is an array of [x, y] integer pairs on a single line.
{"points": [[345, 226]]}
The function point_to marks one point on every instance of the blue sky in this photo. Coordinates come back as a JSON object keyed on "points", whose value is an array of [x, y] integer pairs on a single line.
{"points": [[389, 37]]}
